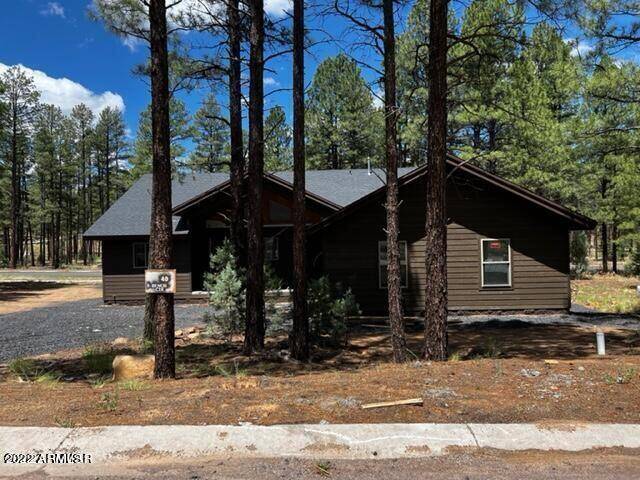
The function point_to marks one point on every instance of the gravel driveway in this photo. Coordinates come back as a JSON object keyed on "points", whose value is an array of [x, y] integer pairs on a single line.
{"points": [[75, 324]]}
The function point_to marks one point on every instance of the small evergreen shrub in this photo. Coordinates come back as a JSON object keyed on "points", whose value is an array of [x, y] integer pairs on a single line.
{"points": [[578, 253], [226, 293], [328, 312], [633, 264]]}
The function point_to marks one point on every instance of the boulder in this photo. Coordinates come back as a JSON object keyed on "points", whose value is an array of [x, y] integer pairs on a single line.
{"points": [[120, 341], [126, 367], [179, 333], [193, 336]]}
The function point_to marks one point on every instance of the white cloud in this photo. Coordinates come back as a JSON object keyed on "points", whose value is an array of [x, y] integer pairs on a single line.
{"points": [[377, 98], [270, 81], [277, 8], [66, 93], [53, 9], [578, 47], [132, 43]]}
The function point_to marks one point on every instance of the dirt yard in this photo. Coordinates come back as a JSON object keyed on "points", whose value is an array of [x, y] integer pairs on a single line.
{"points": [[20, 296], [497, 373]]}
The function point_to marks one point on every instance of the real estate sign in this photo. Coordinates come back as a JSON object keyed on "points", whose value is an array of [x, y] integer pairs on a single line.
{"points": [[160, 281]]}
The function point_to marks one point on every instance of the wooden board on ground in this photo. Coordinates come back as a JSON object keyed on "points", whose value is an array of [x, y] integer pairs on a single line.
{"points": [[409, 401]]}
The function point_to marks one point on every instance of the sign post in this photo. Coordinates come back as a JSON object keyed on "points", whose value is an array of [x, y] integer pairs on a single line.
{"points": [[159, 281]]}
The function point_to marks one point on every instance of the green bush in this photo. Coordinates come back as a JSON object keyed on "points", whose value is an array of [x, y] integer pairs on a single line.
{"points": [[226, 292], [578, 253], [23, 368], [328, 311], [633, 264]]}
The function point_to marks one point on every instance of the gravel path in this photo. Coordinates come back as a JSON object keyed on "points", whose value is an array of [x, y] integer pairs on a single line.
{"points": [[580, 319], [75, 324]]}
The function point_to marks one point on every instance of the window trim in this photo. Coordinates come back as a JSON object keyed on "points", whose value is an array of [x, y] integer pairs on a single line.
{"points": [[501, 262], [146, 255], [386, 262]]}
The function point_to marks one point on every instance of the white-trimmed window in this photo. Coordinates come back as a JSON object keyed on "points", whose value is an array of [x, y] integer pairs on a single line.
{"points": [[140, 255], [271, 249], [383, 262], [495, 256]]}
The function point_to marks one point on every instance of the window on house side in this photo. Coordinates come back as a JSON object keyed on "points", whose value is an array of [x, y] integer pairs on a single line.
{"points": [[383, 262], [496, 262], [140, 255], [271, 249]]}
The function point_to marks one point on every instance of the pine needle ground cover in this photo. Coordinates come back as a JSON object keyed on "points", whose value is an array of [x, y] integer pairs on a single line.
{"points": [[496, 373]]}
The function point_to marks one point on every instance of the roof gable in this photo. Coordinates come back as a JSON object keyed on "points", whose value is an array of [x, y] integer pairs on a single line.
{"points": [[575, 220]]}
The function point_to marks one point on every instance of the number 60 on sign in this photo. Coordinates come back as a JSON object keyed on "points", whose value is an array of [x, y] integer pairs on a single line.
{"points": [[160, 281]]}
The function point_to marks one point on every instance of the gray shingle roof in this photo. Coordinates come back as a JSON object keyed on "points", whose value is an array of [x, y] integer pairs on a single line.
{"points": [[130, 215]]}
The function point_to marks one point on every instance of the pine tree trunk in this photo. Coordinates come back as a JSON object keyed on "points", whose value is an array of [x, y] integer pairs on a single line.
{"points": [[299, 338], [254, 331], [614, 248], [394, 281], [605, 248], [161, 218], [148, 334], [436, 227], [235, 124], [32, 249], [15, 194]]}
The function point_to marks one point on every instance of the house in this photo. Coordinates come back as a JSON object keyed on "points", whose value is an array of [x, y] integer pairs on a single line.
{"points": [[507, 248]]}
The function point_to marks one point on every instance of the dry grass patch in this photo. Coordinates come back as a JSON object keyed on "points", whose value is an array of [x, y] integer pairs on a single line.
{"points": [[608, 293]]}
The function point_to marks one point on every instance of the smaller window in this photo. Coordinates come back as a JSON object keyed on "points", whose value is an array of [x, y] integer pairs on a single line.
{"points": [[496, 262], [383, 262], [140, 255], [271, 249]]}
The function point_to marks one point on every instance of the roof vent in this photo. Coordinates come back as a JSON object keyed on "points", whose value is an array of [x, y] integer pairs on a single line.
{"points": [[368, 166]]}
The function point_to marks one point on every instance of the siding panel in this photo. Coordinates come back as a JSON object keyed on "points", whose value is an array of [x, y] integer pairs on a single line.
{"points": [[118, 288], [539, 243]]}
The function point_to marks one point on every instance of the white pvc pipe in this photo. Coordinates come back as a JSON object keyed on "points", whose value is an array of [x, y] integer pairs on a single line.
{"points": [[600, 343]]}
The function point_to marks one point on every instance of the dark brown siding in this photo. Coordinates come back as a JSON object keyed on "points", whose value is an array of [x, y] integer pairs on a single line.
{"points": [[539, 249], [125, 288], [122, 282]]}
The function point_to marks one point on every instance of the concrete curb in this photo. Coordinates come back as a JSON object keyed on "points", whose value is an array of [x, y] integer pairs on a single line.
{"points": [[354, 441]]}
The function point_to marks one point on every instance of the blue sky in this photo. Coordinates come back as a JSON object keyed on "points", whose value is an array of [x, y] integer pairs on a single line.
{"points": [[76, 59]]}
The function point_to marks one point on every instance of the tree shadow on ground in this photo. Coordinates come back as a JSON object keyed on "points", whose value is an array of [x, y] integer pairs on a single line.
{"points": [[206, 357], [19, 290]]}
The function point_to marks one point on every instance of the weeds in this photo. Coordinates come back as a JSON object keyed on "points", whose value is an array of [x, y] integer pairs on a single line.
{"points": [[323, 468], [238, 372], [23, 368], [455, 357], [109, 401], [99, 382], [134, 385], [146, 346], [49, 379], [621, 377], [65, 422], [98, 358], [491, 348]]}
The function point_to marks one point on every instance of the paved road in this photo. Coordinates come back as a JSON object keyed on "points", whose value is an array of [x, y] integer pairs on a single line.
{"points": [[487, 465], [84, 276], [75, 324]]}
